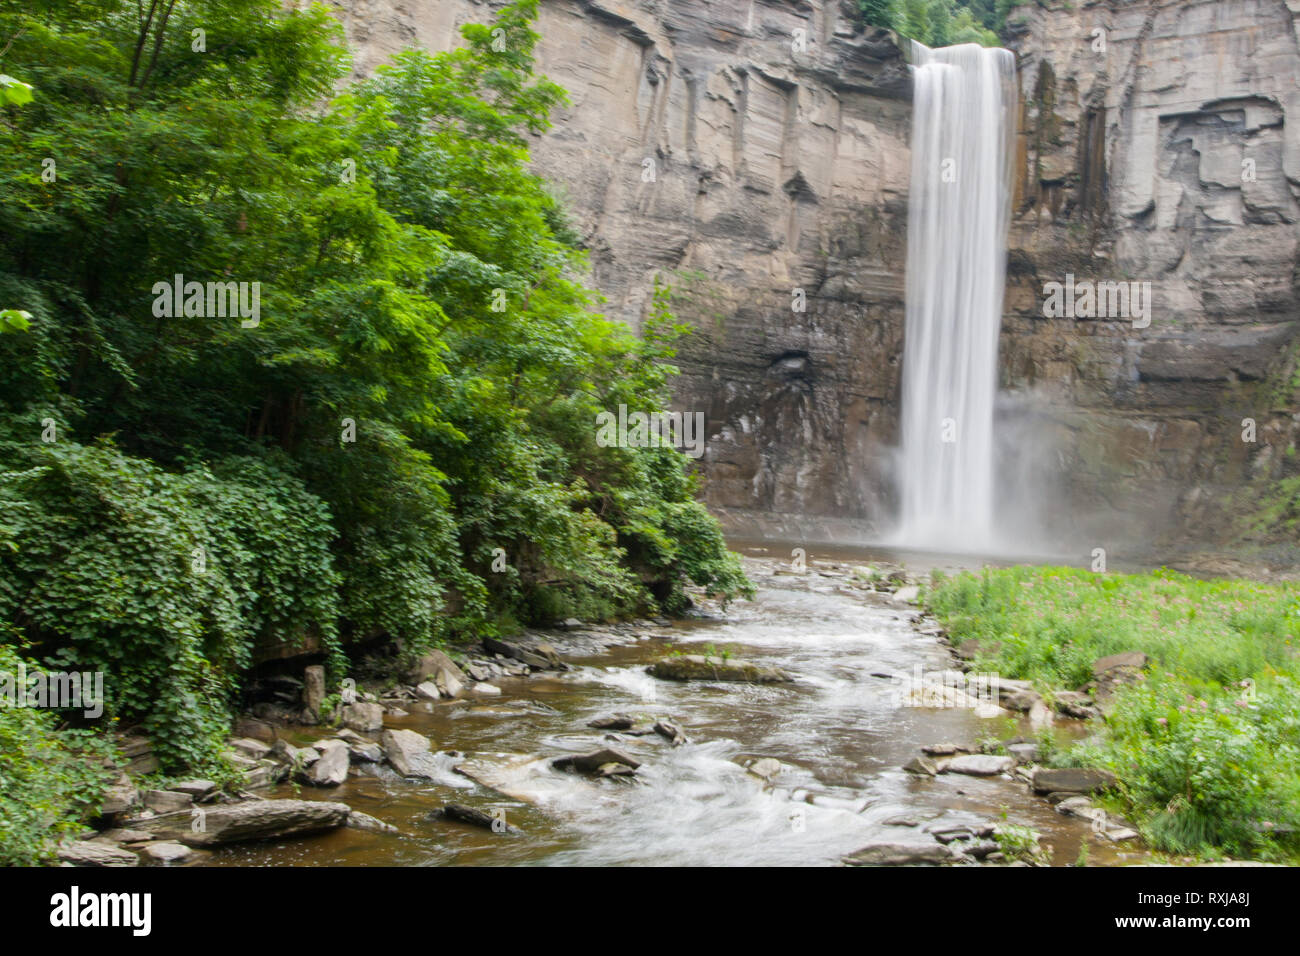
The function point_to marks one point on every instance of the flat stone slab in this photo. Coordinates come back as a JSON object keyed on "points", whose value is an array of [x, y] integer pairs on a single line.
{"points": [[240, 822], [87, 853], [901, 854], [980, 765]]}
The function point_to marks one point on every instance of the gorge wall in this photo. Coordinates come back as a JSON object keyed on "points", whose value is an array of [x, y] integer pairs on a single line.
{"points": [[751, 153], [1160, 141], [775, 169]]}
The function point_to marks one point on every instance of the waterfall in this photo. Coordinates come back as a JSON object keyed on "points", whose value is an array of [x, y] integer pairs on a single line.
{"points": [[963, 126]]}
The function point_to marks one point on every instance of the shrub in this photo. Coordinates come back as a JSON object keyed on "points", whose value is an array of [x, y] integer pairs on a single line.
{"points": [[50, 780]]}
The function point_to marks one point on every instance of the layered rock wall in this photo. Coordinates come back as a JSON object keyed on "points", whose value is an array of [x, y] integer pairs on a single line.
{"points": [[750, 152], [1160, 143]]}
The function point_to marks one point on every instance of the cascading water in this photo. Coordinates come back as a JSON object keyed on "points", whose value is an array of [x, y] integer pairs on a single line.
{"points": [[962, 133]]}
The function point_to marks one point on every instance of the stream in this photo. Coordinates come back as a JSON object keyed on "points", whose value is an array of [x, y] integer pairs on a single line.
{"points": [[841, 732]]}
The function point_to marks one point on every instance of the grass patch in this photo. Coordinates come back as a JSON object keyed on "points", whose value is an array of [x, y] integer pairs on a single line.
{"points": [[1207, 748]]}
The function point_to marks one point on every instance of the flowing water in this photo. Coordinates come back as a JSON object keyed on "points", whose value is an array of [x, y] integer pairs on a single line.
{"points": [[962, 132], [842, 733]]}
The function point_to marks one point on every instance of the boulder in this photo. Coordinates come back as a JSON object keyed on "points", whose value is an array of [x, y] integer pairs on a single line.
{"points": [[254, 820], [1040, 715], [1072, 780], [901, 854], [487, 690], [922, 765], [1075, 807], [429, 664], [1076, 704], [596, 762], [980, 765], [409, 753], [670, 732], [1023, 753], [427, 690], [765, 768], [89, 853], [450, 682], [365, 753], [167, 852], [687, 667], [1021, 701], [332, 767], [363, 716]]}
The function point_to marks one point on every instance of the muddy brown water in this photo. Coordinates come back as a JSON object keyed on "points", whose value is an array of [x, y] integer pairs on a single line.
{"points": [[841, 734]]}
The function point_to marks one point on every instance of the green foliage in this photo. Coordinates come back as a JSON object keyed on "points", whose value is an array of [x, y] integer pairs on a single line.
{"points": [[162, 580], [1207, 747], [418, 396], [50, 780], [938, 23], [1209, 768]]}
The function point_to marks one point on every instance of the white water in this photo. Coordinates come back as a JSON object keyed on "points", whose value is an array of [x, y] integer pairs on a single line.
{"points": [[962, 137]]}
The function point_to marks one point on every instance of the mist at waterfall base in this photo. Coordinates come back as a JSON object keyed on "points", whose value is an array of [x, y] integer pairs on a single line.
{"points": [[965, 481]]}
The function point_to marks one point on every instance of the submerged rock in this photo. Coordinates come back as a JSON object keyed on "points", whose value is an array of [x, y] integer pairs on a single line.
{"points": [[612, 722], [765, 768], [698, 667], [364, 821], [598, 762], [475, 817]]}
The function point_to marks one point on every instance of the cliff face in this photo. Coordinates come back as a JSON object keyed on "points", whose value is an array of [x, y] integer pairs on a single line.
{"points": [[751, 153], [1160, 142], [755, 152]]}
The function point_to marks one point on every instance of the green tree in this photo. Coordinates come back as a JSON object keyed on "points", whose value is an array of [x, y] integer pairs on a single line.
{"points": [[877, 13], [416, 392]]}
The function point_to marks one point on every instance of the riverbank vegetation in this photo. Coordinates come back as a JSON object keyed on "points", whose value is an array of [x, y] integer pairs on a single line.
{"points": [[1207, 745], [386, 429]]}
